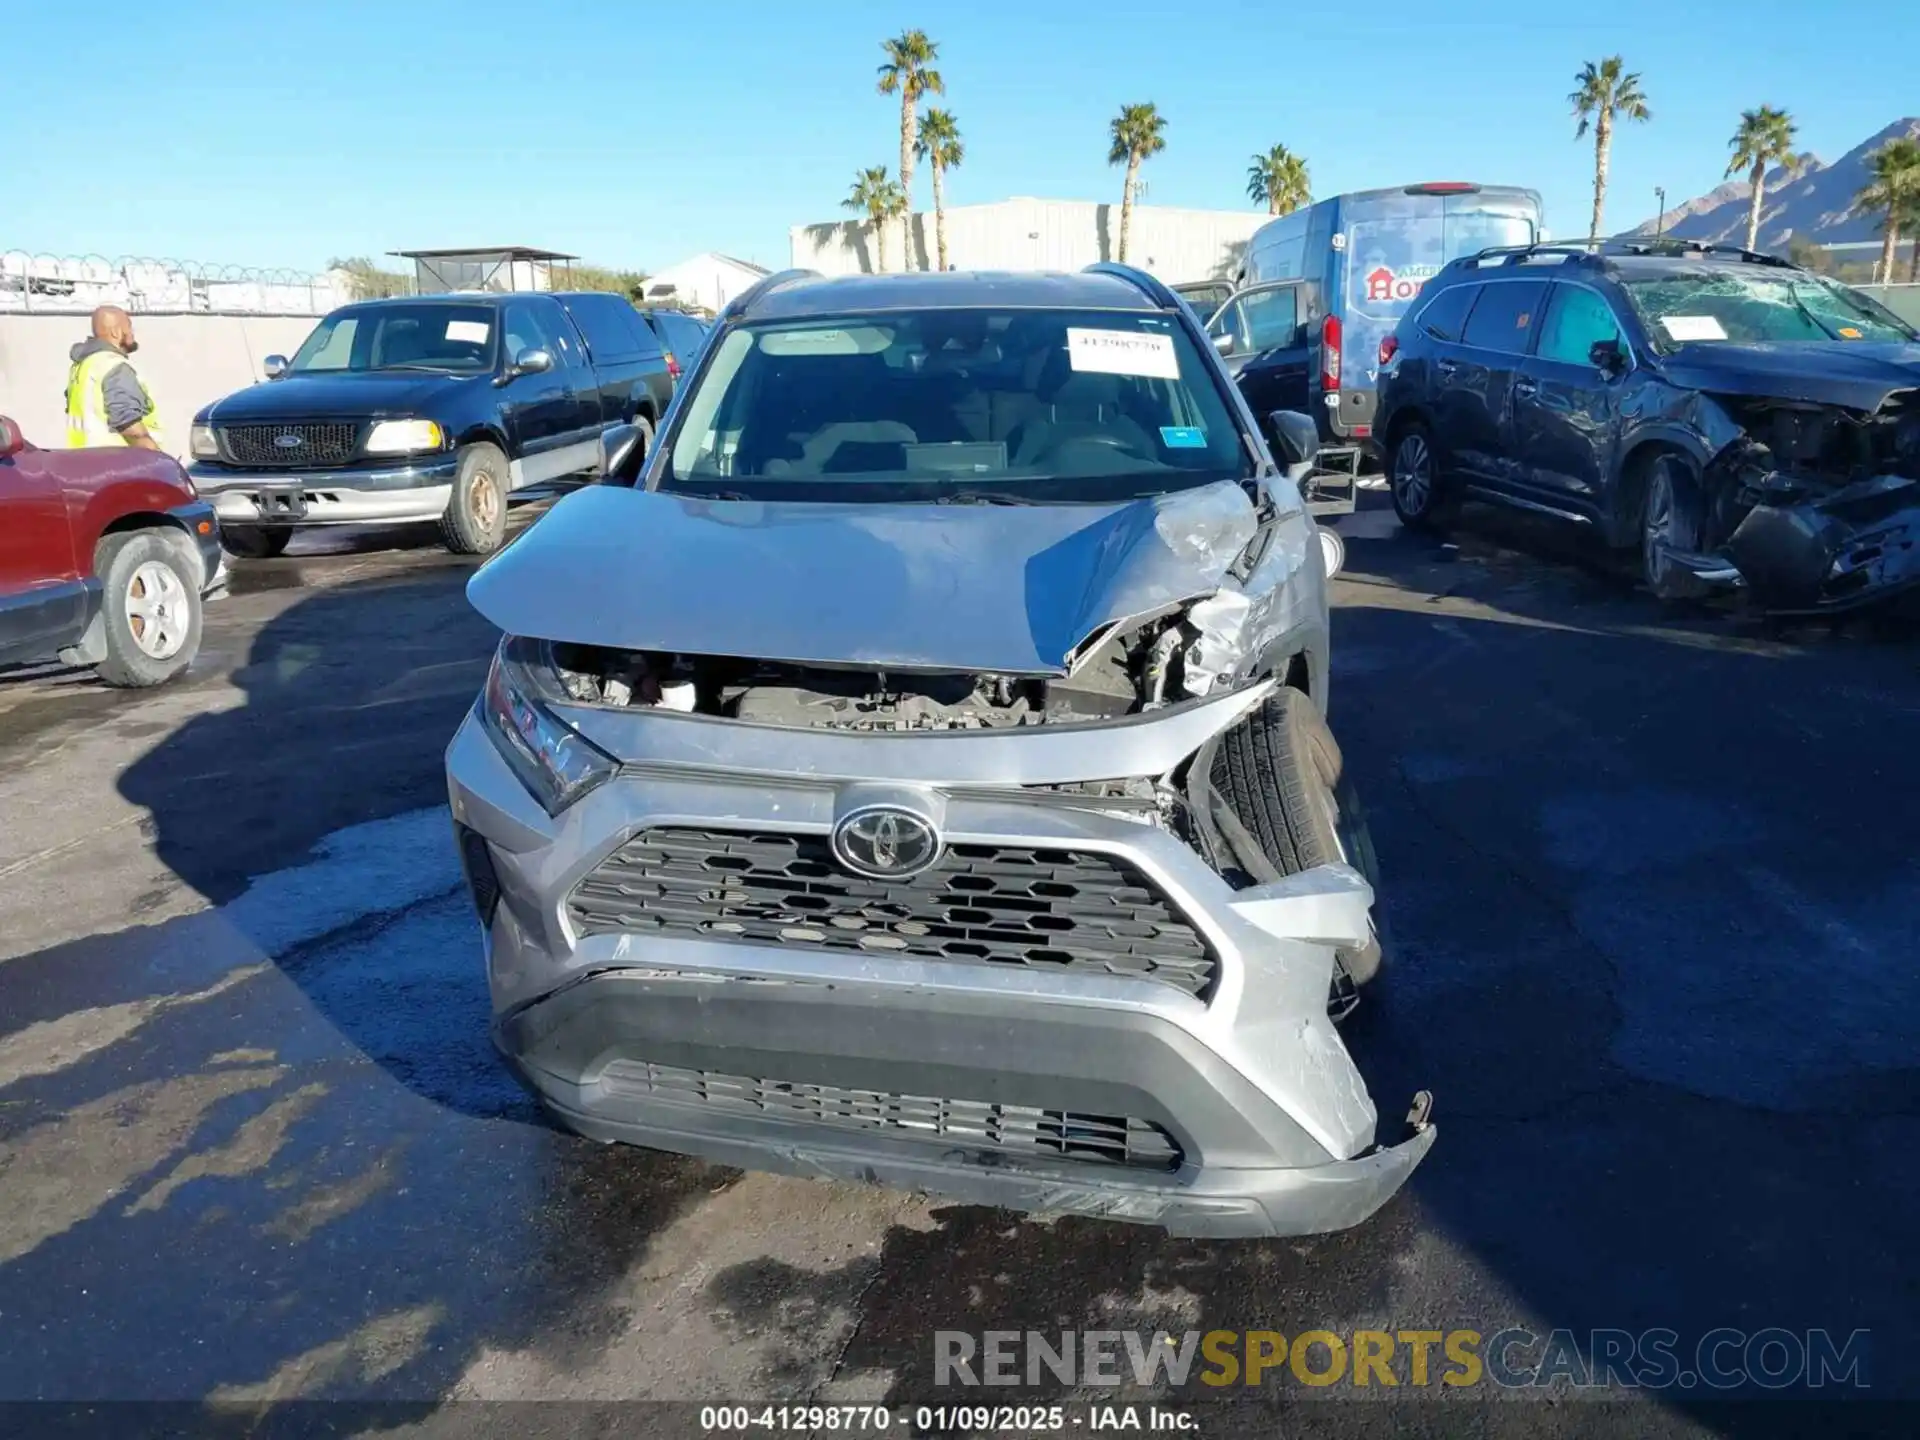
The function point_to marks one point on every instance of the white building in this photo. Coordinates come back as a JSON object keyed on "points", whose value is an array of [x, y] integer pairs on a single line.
{"points": [[1028, 234], [707, 281]]}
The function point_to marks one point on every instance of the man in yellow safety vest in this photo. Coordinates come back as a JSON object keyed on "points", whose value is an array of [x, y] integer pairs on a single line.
{"points": [[107, 401]]}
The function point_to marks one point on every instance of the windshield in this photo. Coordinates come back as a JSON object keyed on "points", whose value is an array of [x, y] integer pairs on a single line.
{"points": [[993, 405], [1750, 304], [455, 338]]}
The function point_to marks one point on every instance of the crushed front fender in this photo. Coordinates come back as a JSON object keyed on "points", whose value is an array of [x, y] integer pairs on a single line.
{"points": [[1855, 546]]}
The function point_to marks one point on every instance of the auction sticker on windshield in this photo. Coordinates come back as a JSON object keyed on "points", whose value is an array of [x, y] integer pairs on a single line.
{"points": [[1122, 352], [471, 332], [1693, 327]]}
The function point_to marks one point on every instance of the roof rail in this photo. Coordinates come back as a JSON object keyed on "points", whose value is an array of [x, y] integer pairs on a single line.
{"points": [[1146, 284], [744, 301], [1673, 245], [1519, 254]]}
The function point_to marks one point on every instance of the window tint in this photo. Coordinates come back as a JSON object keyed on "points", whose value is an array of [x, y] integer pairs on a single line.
{"points": [[1272, 318], [679, 334], [1445, 316], [533, 326], [612, 328], [1505, 315], [1575, 319]]}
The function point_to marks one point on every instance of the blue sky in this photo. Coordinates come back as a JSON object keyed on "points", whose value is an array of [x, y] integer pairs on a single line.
{"points": [[638, 134]]}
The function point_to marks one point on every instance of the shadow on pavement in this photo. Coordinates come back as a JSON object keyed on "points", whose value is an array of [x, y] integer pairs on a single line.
{"points": [[1651, 886], [217, 1189]]}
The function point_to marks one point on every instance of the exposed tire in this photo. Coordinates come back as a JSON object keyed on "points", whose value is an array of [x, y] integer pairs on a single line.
{"points": [[475, 521], [1280, 772], [255, 542], [1420, 498], [150, 607], [1669, 521]]}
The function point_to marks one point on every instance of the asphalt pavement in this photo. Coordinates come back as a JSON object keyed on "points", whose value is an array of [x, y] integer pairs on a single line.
{"points": [[1653, 904]]}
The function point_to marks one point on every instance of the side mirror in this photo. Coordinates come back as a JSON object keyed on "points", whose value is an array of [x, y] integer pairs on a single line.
{"points": [[12, 442], [274, 366], [1607, 357], [1223, 342], [1294, 437], [528, 362], [620, 455]]}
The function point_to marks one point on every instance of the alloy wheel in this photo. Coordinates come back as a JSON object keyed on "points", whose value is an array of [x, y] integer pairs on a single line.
{"points": [[1413, 474], [157, 610]]}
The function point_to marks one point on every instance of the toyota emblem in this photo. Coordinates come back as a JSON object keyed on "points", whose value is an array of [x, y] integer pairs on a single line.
{"points": [[289, 441], [885, 842]]}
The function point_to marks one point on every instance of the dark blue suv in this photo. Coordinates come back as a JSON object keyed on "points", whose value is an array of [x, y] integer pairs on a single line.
{"points": [[1741, 421]]}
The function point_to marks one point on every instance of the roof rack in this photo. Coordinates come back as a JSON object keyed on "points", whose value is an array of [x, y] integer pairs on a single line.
{"points": [[1624, 245], [1520, 254], [1146, 284], [745, 300]]}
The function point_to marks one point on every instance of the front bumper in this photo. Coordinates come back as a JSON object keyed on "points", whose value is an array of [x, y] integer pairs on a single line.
{"points": [[1856, 546], [414, 491], [904, 1071], [199, 519]]}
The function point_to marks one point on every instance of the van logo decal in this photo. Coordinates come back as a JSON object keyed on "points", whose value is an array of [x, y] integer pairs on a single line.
{"points": [[1387, 284]]}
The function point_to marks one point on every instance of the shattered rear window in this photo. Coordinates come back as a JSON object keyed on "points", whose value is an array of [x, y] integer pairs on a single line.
{"points": [[1749, 305]]}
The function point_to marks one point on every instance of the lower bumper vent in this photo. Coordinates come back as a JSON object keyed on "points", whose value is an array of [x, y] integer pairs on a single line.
{"points": [[1011, 1130]]}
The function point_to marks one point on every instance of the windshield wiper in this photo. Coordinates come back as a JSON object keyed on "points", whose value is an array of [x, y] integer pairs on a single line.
{"points": [[1793, 294], [984, 497]]}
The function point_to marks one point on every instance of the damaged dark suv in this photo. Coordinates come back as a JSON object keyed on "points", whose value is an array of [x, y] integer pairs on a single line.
{"points": [[1741, 421]]}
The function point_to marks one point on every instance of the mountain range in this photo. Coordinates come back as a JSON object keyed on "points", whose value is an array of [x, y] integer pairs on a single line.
{"points": [[1810, 201]]}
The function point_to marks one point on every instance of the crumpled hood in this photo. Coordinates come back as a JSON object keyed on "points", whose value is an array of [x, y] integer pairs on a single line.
{"points": [[1859, 374], [1000, 589]]}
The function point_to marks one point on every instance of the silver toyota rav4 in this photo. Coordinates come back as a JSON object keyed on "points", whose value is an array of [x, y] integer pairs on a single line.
{"points": [[913, 770]]}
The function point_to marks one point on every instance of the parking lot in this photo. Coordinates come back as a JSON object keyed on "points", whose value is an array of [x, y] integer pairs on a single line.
{"points": [[1652, 893]]}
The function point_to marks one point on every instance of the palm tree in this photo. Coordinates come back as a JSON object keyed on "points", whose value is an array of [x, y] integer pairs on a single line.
{"points": [[941, 147], [909, 55], [1138, 131], [1765, 138], [879, 199], [1279, 178], [1894, 191], [1605, 92]]}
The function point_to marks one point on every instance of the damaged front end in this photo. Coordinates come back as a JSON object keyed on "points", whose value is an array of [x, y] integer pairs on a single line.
{"points": [[1813, 506], [876, 842]]}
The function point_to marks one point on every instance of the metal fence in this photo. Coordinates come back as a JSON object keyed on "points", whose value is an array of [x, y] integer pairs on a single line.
{"points": [[1903, 300], [65, 284]]}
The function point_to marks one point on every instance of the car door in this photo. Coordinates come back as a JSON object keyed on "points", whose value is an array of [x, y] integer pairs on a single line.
{"points": [[43, 600], [544, 412], [1266, 351], [1565, 407], [1477, 378]]}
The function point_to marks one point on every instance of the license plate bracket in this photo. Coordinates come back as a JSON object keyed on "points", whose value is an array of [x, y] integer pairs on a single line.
{"points": [[283, 504]]}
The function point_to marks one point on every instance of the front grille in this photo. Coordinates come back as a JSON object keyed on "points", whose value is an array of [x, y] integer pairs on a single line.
{"points": [[1074, 911], [976, 1125], [321, 443]]}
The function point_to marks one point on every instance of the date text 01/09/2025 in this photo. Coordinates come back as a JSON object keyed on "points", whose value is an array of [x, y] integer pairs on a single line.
{"points": [[936, 1419]]}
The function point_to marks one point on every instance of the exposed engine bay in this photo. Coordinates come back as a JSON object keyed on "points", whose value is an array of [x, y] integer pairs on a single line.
{"points": [[1124, 671], [1814, 503]]}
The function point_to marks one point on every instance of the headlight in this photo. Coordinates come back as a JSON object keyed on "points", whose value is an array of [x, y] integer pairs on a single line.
{"points": [[553, 760], [201, 442], [404, 437]]}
